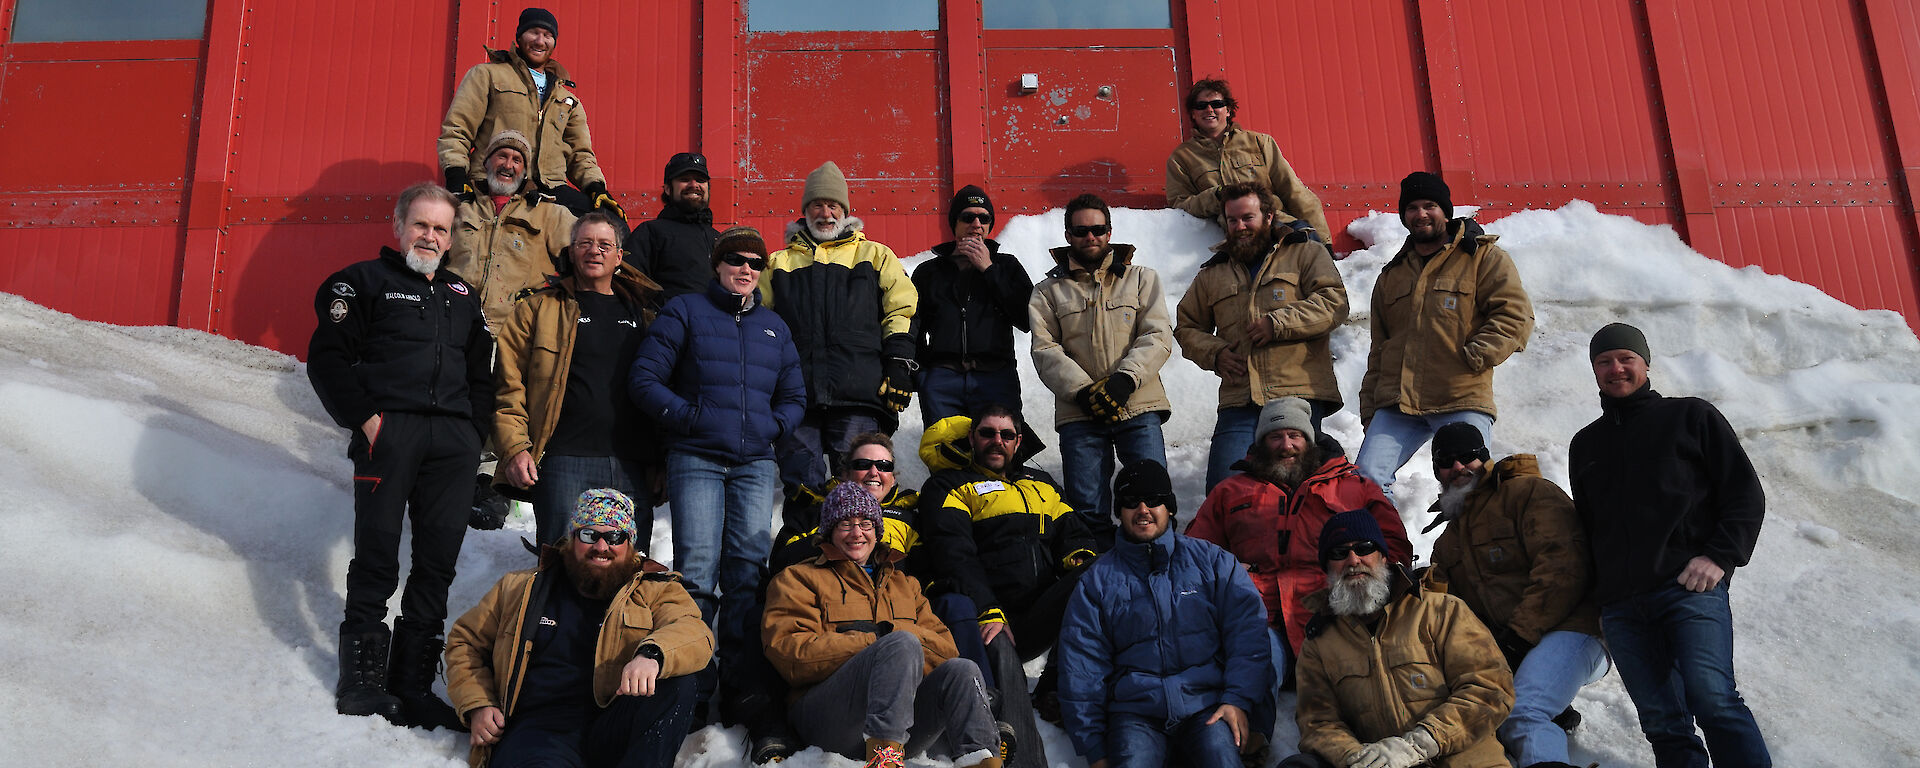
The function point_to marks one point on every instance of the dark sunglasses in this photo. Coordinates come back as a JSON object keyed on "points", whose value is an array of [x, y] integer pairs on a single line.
{"points": [[1361, 548], [754, 263], [1005, 435], [862, 465], [1214, 104], [589, 536], [1097, 230], [1129, 502], [976, 218]]}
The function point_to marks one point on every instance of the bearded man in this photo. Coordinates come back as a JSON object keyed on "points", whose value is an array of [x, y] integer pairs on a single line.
{"points": [[584, 660], [1393, 674], [1271, 514], [675, 249], [1515, 552], [508, 236], [1259, 315]]}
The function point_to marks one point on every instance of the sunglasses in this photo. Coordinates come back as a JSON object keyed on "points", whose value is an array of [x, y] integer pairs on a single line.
{"points": [[1214, 104], [976, 218], [1361, 548], [1129, 502], [1005, 435], [1097, 230], [862, 465], [754, 263], [612, 538]]}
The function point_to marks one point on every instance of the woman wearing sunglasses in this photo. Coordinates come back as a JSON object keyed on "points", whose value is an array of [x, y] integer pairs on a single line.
{"points": [[718, 370], [1221, 153]]}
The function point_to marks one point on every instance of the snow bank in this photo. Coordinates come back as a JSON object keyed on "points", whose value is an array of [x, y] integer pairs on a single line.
{"points": [[179, 505]]}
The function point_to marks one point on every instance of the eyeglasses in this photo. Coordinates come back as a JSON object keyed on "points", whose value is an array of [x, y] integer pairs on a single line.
{"points": [[862, 465], [1152, 500], [976, 218], [1214, 104], [1361, 548], [1005, 435], [754, 263], [596, 246], [612, 538], [1097, 230], [856, 524]]}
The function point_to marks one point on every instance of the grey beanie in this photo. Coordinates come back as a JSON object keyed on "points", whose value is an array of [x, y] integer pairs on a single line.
{"points": [[1285, 413]]}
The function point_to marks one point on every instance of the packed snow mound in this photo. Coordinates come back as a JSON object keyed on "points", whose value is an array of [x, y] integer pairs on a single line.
{"points": [[180, 506]]}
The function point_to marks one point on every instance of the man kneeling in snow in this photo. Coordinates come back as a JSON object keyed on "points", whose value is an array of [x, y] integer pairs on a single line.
{"points": [[584, 660]]}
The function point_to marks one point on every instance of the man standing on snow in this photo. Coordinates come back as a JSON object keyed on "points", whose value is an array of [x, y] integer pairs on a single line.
{"points": [[1100, 335], [676, 249], [972, 297], [1514, 551], [401, 358], [1446, 310], [1672, 506], [1260, 315], [850, 307]]}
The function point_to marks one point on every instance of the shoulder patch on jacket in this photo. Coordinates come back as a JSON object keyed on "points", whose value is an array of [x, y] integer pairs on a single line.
{"points": [[343, 289]]}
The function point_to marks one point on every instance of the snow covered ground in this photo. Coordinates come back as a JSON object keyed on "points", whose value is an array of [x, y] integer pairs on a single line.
{"points": [[179, 507]]}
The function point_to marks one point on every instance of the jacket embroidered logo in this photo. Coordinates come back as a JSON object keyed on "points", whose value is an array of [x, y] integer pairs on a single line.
{"points": [[337, 311], [342, 289], [770, 334], [1450, 303], [459, 288]]}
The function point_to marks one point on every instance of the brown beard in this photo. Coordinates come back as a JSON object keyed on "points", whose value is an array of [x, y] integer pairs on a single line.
{"points": [[1250, 247], [599, 583], [1269, 467]]}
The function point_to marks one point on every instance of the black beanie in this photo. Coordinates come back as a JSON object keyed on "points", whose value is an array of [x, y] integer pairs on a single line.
{"points": [[1347, 527], [1144, 478], [1461, 441], [537, 17], [1619, 336], [969, 196], [1421, 185]]}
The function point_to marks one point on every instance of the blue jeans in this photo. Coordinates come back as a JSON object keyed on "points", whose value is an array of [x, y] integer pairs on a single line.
{"points": [[817, 446], [1135, 741], [1674, 649], [1543, 687], [1393, 437], [722, 533], [564, 478], [1233, 432], [946, 392], [1087, 450]]}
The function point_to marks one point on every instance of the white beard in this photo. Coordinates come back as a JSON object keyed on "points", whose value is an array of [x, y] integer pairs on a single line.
{"points": [[424, 265], [1453, 497], [502, 187], [1362, 598], [824, 230]]}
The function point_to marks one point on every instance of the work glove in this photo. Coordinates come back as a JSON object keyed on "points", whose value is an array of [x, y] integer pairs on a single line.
{"points": [[896, 389], [603, 200], [1405, 751], [459, 184], [1107, 398]]}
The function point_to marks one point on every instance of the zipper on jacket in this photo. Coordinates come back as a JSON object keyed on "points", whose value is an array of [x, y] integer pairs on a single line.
{"points": [[433, 385], [740, 335]]}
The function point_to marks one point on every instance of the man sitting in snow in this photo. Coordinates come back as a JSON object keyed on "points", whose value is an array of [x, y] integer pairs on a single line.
{"points": [[584, 660], [1394, 674], [1515, 552], [1672, 505]]}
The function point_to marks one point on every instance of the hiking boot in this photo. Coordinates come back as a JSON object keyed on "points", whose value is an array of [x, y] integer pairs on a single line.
{"points": [[770, 748], [416, 662], [1568, 719], [1009, 741], [361, 690], [489, 507]]}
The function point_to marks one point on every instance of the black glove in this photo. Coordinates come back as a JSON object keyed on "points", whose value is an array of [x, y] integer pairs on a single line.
{"points": [[1513, 646], [1107, 398], [896, 389], [603, 200], [459, 184], [1298, 232], [489, 507], [862, 625]]}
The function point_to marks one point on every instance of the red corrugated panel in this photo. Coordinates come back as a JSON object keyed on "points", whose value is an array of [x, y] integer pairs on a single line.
{"points": [[269, 276], [1864, 242], [97, 124], [141, 264]]}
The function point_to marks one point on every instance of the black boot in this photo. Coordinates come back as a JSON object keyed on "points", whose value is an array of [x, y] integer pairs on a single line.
{"points": [[363, 675], [416, 661], [489, 507], [1568, 719]]}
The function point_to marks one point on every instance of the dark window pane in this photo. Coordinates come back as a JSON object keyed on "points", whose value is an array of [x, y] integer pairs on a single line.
{"points": [[60, 21], [1077, 14], [842, 15]]}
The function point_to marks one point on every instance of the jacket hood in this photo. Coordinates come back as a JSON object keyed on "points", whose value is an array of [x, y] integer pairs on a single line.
{"points": [[1116, 262], [510, 56], [1517, 465], [948, 444], [851, 228]]}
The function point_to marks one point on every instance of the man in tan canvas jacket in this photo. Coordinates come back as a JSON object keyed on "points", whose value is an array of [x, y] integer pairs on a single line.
{"points": [[509, 236], [1222, 153]]}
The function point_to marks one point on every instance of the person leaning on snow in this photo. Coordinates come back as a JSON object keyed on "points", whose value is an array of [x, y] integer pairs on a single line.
{"points": [[674, 248], [972, 298], [1446, 309], [872, 669], [1260, 315], [400, 358], [583, 660], [1672, 506], [1221, 153], [525, 90], [1394, 674], [850, 305], [1100, 336], [1515, 552], [1163, 652]]}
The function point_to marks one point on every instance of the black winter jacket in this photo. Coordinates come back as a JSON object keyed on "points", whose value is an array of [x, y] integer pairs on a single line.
{"points": [[675, 250], [966, 318], [389, 340], [1657, 481]]}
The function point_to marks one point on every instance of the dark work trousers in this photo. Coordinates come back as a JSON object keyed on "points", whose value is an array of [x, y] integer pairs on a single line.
{"points": [[631, 732], [419, 467]]}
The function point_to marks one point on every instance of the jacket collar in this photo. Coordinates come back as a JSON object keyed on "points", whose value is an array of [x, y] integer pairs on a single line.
{"points": [[520, 65], [1151, 556], [671, 212], [1620, 407], [730, 302], [1115, 263], [398, 260], [851, 230], [1463, 234]]}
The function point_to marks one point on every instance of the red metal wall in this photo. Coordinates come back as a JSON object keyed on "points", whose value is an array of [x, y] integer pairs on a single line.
{"points": [[215, 182]]}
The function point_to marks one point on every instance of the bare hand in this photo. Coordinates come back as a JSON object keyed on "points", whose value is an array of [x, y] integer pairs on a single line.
{"points": [[1260, 331], [521, 471], [1230, 364], [485, 725], [1702, 574], [1236, 722], [974, 250], [371, 428], [992, 629], [638, 677]]}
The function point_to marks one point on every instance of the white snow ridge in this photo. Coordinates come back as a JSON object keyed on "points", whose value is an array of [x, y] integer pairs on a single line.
{"points": [[178, 506]]}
